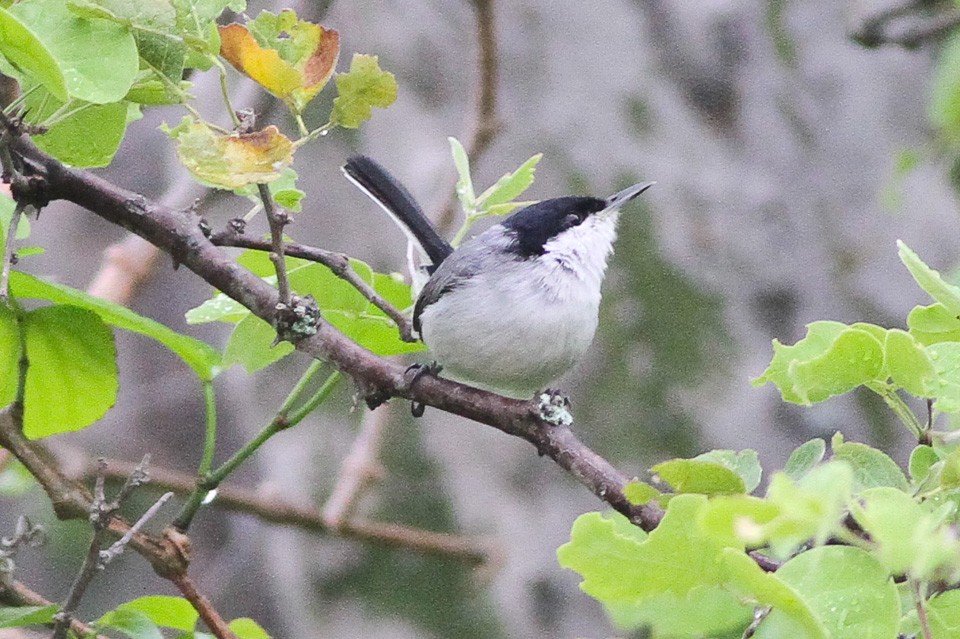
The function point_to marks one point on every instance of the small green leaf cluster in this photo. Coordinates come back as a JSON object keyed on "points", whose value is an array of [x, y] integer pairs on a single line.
{"points": [[496, 200], [143, 618], [923, 361], [253, 341], [86, 67], [853, 538]]}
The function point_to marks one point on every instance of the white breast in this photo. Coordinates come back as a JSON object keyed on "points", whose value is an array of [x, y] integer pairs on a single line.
{"points": [[521, 324]]}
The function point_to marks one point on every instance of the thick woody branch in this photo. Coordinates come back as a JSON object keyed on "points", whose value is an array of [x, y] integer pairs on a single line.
{"points": [[179, 233]]}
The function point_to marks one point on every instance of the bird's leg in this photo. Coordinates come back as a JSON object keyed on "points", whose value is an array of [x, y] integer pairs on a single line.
{"points": [[412, 374]]}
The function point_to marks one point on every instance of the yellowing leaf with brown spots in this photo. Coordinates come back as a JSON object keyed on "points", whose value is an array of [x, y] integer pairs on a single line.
{"points": [[291, 58], [231, 160]]}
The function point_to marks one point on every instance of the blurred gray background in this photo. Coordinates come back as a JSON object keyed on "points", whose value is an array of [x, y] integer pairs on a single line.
{"points": [[773, 139]]}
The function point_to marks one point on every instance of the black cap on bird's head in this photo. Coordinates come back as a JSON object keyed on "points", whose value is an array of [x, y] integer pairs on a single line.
{"points": [[537, 224]]}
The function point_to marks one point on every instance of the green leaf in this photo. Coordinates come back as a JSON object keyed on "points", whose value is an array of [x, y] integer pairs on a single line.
{"points": [[944, 105], [251, 344], [201, 357], [7, 206], [832, 359], [695, 476], [854, 358], [675, 558], [246, 628], [946, 359], [9, 354], [804, 458], [72, 378], [98, 58], [704, 611], [811, 509], [738, 518], [89, 137], [930, 280], [169, 612], [18, 617], [640, 493], [848, 590], [468, 198], [351, 313], [510, 186], [908, 363], [932, 324], [219, 308], [132, 623], [284, 190], [871, 467], [28, 55], [907, 539], [363, 87], [921, 459], [750, 582], [745, 463]]}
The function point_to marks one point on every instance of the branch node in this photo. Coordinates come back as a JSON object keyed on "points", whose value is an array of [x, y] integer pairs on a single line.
{"points": [[297, 320]]}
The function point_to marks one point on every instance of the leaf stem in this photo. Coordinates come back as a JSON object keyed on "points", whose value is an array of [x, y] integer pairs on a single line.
{"points": [[8, 243], [919, 602], [211, 480], [899, 407], [225, 91], [210, 436]]}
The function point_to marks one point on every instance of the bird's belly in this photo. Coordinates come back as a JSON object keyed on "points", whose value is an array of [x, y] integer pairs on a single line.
{"points": [[507, 348]]}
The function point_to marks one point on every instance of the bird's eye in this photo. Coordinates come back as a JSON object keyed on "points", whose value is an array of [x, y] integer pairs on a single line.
{"points": [[571, 220]]}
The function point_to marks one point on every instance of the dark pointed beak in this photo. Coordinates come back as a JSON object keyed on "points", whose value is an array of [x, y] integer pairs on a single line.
{"points": [[624, 196]]}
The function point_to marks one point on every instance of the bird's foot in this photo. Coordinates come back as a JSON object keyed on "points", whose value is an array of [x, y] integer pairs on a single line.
{"points": [[412, 374], [554, 408]]}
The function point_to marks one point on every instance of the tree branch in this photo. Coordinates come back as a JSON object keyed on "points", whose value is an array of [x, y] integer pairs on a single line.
{"points": [[339, 265], [180, 234], [270, 509]]}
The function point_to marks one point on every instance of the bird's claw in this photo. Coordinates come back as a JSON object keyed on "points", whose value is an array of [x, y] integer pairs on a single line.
{"points": [[411, 375]]}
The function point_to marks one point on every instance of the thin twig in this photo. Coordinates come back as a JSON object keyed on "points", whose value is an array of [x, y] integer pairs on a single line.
{"points": [[117, 547], [101, 512], [277, 219], [759, 614], [484, 123], [270, 509], [357, 469], [339, 265]]}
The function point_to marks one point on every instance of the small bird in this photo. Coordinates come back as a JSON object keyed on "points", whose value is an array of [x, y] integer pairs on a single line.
{"points": [[513, 308]]}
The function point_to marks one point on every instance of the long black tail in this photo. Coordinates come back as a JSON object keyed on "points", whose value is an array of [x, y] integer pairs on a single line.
{"points": [[385, 190]]}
